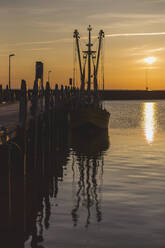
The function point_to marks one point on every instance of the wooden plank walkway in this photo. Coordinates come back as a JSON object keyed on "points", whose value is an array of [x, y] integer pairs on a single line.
{"points": [[38, 107], [9, 120], [9, 114]]}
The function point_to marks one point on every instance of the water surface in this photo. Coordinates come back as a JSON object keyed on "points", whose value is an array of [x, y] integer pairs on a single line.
{"points": [[111, 189]]}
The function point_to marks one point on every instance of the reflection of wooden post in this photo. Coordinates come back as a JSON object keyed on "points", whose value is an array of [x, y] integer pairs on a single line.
{"points": [[34, 112], [16, 166], [48, 115], [10, 187], [4, 189], [22, 119]]}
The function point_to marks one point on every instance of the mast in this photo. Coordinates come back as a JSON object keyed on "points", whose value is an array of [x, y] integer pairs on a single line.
{"points": [[88, 55], [77, 37], [89, 58], [101, 36]]}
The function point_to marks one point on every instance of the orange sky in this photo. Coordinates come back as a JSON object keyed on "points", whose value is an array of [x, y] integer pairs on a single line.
{"points": [[41, 30]]}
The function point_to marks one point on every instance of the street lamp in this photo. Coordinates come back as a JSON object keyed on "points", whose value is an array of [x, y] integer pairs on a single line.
{"points": [[10, 55], [149, 61]]}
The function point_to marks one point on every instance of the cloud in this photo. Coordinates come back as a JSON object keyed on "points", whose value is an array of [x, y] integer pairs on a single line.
{"points": [[144, 51], [136, 34], [39, 49], [32, 43]]}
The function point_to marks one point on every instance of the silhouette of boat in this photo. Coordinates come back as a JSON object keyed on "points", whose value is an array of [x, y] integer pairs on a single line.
{"points": [[87, 110], [88, 169], [89, 116]]}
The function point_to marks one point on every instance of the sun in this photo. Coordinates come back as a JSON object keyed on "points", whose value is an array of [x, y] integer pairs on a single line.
{"points": [[150, 60]]}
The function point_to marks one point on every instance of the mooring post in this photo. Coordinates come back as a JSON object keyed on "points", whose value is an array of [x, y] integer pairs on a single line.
{"points": [[56, 93], [48, 113], [66, 92], [0, 93], [34, 121], [6, 94], [23, 104], [12, 95], [62, 92], [41, 95], [47, 97], [5, 196], [34, 99]]}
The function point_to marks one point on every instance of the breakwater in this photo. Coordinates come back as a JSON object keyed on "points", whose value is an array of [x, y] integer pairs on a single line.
{"points": [[7, 95], [133, 94]]}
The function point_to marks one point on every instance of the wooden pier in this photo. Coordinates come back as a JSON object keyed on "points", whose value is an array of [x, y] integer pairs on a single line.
{"points": [[33, 137], [20, 108]]}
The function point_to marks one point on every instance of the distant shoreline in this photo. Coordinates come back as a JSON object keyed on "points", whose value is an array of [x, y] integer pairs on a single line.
{"points": [[133, 94], [127, 94]]}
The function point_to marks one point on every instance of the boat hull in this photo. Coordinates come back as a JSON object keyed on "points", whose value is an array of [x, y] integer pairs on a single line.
{"points": [[89, 117]]}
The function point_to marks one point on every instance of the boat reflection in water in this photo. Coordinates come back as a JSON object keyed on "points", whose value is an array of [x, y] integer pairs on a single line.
{"points": [[87, 168], [149, 121], [27, 198]]}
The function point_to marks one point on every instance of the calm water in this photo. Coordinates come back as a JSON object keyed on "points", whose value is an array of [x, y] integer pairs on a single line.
{"points": [[111, 193]]}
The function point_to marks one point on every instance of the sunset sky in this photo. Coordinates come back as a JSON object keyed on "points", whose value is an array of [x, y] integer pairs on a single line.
{"points": [[39, 30]]}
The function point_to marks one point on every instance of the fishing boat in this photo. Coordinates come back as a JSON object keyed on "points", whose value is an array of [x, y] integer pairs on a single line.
{"points": [[87, 111], [89, 115]]}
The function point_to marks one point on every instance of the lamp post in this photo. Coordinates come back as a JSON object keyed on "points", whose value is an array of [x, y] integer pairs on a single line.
{"points": [[10, 55], [146, 72], [149, 61]]}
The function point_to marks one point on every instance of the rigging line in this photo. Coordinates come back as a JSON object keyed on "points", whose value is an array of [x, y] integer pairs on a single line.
{"points": [[81, 53], [100, 68], [73, 61], [83, 41], [102, 62], [75, 52], [95, 41]]}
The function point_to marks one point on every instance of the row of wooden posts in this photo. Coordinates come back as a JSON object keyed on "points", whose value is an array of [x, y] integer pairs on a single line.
{"points": [[44, 100], [40, 100], [38, 149], [32, 161], [11, 95]]}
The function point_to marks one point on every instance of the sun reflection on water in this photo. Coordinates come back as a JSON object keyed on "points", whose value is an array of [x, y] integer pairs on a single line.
{"points": [[149, 121]]}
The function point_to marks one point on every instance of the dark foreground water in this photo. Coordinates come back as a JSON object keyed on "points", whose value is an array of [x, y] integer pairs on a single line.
{"points": [[112, 193], [110, 190]]}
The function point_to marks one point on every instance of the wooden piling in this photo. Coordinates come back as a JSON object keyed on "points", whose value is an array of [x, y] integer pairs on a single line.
{"points": [[23, 104], [0, 93]]}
